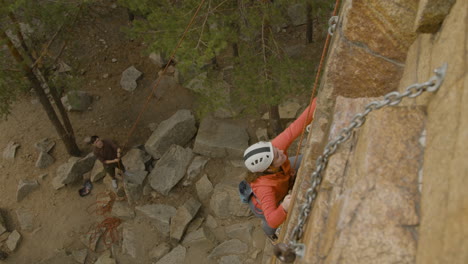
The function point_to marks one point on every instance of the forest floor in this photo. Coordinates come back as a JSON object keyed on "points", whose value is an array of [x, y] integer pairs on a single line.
{"points": [[61, 216]]}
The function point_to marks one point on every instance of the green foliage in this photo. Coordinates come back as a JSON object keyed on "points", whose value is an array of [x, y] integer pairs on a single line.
{"points": [[263, 74], [39, 21]]}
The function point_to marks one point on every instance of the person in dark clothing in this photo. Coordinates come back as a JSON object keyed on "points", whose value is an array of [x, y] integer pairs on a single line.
{"points": [[109, 154]]}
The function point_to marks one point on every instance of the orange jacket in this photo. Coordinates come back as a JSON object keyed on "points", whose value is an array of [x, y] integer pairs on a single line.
{"points": [[271, 189]]}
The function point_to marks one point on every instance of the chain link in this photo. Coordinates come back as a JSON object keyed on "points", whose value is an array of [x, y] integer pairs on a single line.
{"points": [[390, 99], [332, 22]]}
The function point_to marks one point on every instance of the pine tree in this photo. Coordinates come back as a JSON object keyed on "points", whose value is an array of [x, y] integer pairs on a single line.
{"points": [[31, 67], [262, 74]]}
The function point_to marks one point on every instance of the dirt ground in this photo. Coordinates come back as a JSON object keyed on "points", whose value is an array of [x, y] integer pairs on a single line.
{"points": [[61, 216]]}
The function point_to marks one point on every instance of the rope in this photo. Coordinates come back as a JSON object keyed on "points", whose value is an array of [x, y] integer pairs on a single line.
{"points": [[132, 129], [317, 77], [106, 229]]}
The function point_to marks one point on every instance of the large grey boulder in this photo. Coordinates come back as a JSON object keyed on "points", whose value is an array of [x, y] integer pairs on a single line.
{"points": [[25, 219], [44, 160], [241, 231], [128, 241], [134, 185], [105, 258], [176, 256], [297, 14], [129, 79], [182, 218], [121, 210], [230, 247], [160, 214], [201, 236], [220, 139], [74, 169], [204, 188], [159, 251], [77, 101], [135, 159], [13, 240], [157, 59], [170, 169], [225, 201], [44, 145], [97, 172], [197, 165], [25, 187], [10, 150], [80, 255], [2, 224], [165, 83], [179, 129]]}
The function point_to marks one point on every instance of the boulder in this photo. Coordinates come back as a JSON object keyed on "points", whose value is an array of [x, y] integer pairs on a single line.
{"points": [[97, 172], [176, 256], [128, 241], [121, 210], [220, 139], [297, 14], [262, 134], [105, 258], [80, 255], [231, 259], [242, 231], [133, 192], [164, 84], [157, 59], [160, 214], [179, 129], [74, 169], [13, 240], [197, 83], [159, 251], [204, 188], [182, 218], [25, 219], [230, 247], [44, 160], [10, 150], [201, 236], [2, 225], [225, 201], [77, 101], [25, 187], [194, 169], [170, 169], [44, 145], [211, 222], [135, 159], [129, 79]]}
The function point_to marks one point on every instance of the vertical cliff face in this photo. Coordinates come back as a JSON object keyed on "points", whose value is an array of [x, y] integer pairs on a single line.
{"points": [[393, 193]]}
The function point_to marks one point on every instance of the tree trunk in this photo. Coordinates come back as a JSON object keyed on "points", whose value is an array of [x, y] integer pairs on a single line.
{"points": [[67, 138], [310, 24], [275, 123]]}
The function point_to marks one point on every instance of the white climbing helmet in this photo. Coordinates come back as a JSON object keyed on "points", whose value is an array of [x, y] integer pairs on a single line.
{"points": [[259, 156]]}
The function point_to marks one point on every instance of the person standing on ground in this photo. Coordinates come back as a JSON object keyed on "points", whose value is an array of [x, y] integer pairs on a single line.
{"points": [[109, 154], [271, 175]]}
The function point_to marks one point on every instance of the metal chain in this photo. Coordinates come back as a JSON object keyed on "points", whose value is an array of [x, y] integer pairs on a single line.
{"points": [[294, 248], [332, 25]]}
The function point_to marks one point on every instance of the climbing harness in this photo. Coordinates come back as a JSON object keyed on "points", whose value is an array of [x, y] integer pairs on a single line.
{"points": [[332, 25], [288, 252]]}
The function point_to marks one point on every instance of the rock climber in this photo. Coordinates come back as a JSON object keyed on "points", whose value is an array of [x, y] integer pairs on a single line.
{"points": [[271, 175]]}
